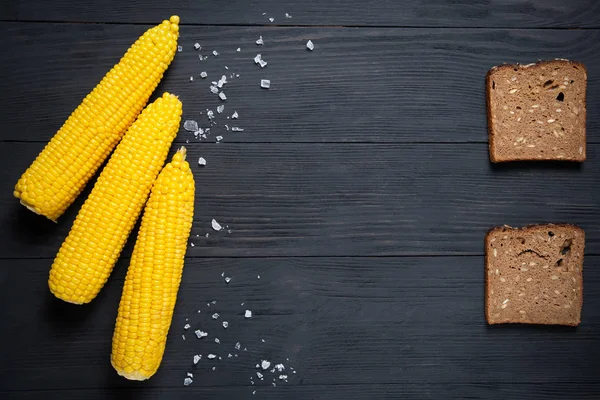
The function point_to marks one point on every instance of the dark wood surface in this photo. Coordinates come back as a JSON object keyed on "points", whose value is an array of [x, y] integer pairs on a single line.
{"points": [[360, 192]]}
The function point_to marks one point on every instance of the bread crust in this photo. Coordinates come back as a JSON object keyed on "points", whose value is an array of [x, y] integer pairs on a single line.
{"points": [[491, 134], [524, 229]]}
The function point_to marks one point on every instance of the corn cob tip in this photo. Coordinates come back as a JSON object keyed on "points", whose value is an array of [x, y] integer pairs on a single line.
{"points": [[174, 20], [182, 152], [32, 208]]}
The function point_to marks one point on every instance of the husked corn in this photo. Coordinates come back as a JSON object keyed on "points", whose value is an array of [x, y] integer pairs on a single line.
{"points": [[154, 273], [90, 251], [82, 144]]}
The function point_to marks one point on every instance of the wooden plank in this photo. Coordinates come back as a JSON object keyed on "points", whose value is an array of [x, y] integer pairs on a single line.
{"points": [[344, 200], [387, 391], [343, 321], [359, 85], [434, 13]]}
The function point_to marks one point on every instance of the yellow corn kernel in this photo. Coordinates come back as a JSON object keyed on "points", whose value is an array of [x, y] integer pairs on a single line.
{"points": [[59, 173], [90, 251], [154, 273]]}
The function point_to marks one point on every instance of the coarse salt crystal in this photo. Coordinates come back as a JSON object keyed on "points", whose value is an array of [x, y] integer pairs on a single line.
{"points": [[239, 49], [237, 129], [190, 125], [200, 334], [310, 45], [225, 324], [179, 48], [222, 96], [235, 115], [203, 74], [186, 326], [197, 358], [272, 19], [215, 53], [227, 279], [260, 41], [259, 375], [210, 114], [183, 337], [219, 138], [217, 341], [288, 15], [214, 89], [238, 346], [187, 381], [262, 63], [221, 108], [212, 356], [248, 314], [280, 367], [197, 46], [257, 276], [201, 161], [189, 374], [282, 377], [215, 316], [265, 364], [265, 83], [191, 79], [257, 58]]}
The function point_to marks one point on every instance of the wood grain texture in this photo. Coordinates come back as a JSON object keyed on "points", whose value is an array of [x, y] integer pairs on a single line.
{"points": [[359, 85], [432, 13], [377, 322], [343, 200]]}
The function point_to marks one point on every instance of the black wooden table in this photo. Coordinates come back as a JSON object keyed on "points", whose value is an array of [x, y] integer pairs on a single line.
{"points": [[356, 201]]}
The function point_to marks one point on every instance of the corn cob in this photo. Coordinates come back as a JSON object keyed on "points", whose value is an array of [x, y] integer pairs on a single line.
{"points": [[90, 251], [92, 131], [154, 273]]}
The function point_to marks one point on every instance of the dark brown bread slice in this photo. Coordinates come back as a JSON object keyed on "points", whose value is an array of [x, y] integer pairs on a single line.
{"points": [[537, 111], [534, 275]]}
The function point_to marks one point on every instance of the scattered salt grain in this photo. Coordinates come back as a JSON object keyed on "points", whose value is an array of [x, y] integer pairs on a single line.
{"points": [[238, 49], [214, 302], [191, 79], [282, 377], [257, 58], [280, 367], [192, 244], [186, 326], [200, 334], [183, 337], [272, 19], [260, 41], [189, 374], [217, 341], [197, 46], [215, 53], [219, 138], [262, 63], [201, 161], [222, 96], [310, 45], [227, 279], [248, 314], [237, 129], [215, 316], [262, 340], [210, 114], [265, 83], [179, 49], [288, 15], [254, 392], [214, 89], [259, 375], [212, 356], [265, 364], [213, 368], [237, 346], [187, 381], [226, 67], [221, 108], [197, 358], [203, 74], [229, 355], [225, 324], [190, 125], [222, 81]]}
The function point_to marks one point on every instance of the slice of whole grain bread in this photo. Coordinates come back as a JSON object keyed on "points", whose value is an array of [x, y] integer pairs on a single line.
{"points": [[534, 275], [537, 111]]}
